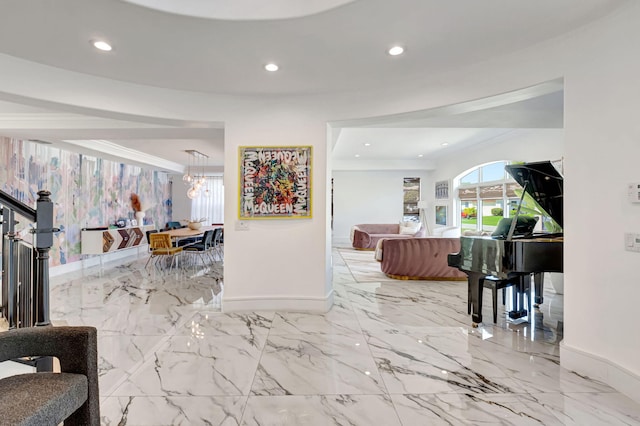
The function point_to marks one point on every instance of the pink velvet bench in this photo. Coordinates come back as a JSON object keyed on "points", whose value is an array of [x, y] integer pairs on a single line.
{"points": [[366, 236], [419, 259]]}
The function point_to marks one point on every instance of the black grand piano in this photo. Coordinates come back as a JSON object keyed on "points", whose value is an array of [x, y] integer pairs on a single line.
{"points": [[518, 256]]}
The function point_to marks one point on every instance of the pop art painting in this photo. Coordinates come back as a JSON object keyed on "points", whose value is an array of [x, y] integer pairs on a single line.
{"points": [[275, 182]]}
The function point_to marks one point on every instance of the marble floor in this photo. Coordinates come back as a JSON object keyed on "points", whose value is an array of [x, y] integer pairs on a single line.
{"points": [[388, 353]]}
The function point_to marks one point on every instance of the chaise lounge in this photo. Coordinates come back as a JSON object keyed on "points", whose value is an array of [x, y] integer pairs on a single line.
{"points": [[366, 236]]}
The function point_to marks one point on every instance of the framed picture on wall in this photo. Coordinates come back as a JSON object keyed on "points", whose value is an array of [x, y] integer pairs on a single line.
{"points": [[441, 215], [442, 190], [275, 182]]}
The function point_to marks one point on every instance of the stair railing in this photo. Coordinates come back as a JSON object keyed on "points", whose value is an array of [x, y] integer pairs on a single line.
{"points": [[25, 266]]}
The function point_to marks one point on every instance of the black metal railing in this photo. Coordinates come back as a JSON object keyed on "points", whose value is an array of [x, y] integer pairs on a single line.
{"points": [[25, 266]]}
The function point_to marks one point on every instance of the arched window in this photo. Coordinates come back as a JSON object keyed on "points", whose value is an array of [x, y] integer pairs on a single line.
{"points": [[483, 192]]}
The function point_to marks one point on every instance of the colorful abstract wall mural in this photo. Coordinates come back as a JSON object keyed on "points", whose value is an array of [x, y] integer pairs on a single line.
{"points": [[86, 191]]}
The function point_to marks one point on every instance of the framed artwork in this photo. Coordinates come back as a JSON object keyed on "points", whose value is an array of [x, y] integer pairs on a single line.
{"points": [[275, 182], [441, 215], [442, 190]]}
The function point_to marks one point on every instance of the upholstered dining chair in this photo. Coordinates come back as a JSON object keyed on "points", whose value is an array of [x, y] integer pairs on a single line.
{"points": [[173, 225], [149, 232], [204, 247], [218, 243], [46, 398], [161, 246], [189, 240]]}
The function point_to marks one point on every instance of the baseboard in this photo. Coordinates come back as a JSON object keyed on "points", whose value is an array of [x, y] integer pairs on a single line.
{"points": [[340, 242], [278, 303], [600, 369], [89, 261]]}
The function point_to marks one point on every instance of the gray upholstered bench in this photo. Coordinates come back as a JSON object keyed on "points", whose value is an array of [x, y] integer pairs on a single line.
{"points": [[51, 398]]}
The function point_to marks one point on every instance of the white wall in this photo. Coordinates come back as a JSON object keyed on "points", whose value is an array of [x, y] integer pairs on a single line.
{"points": [[368, 197], [280, 264], [181, 204], [603, 146], [279, 261]]}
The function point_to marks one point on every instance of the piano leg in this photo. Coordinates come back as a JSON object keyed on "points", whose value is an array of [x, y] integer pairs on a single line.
{"points": [[538, 278], [475, 287], [523, 285]]}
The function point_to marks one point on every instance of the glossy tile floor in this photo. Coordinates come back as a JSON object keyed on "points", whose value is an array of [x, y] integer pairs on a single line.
{"points": [[388, 353]]}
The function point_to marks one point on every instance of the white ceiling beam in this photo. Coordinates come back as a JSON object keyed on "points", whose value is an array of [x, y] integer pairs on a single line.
{"points": [[113, 149]]}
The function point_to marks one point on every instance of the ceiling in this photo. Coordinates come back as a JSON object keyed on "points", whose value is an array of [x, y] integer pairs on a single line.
{"points": [[243, 10], [157, 143], [340, 49], [322, 47], [416, 140]]}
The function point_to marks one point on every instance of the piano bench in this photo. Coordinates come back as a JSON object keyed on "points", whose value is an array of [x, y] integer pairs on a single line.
{"points": [[495, 284]]}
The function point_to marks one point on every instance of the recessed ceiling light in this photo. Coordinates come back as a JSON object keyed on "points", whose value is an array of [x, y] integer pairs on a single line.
{"points": [[420, 155], [396, 50], [367, 144], [445, 143], [357, 155], [271, 67], [102, 45]]}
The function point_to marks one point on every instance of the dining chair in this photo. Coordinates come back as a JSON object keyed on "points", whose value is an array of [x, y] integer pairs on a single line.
{"points": [[161, 247], [149, 232], [218, 243], [173, 225], [202, 248], [189, 240]]}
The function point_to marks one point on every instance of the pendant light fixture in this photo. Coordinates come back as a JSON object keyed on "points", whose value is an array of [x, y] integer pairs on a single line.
{"points": [[195, 181], [187, 178]]}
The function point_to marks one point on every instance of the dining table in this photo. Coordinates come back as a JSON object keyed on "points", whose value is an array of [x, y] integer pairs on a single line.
{"points": [[177, 234]]}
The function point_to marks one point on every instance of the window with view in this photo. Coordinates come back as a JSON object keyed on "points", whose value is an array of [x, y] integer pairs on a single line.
{"points": [[484, 192], [487, 194], [411, 196]]}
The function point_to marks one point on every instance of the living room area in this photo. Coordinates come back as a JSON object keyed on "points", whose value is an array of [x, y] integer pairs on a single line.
{"points": [[373, 160]]}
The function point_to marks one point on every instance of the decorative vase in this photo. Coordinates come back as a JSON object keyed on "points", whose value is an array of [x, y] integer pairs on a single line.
{"points": [[140, 218]]}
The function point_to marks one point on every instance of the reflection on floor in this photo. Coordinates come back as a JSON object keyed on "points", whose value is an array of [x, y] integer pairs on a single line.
{"points": [[388, 353]]}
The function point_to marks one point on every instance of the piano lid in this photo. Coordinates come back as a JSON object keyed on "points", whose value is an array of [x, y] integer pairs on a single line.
{"points": [[544, 185]]}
